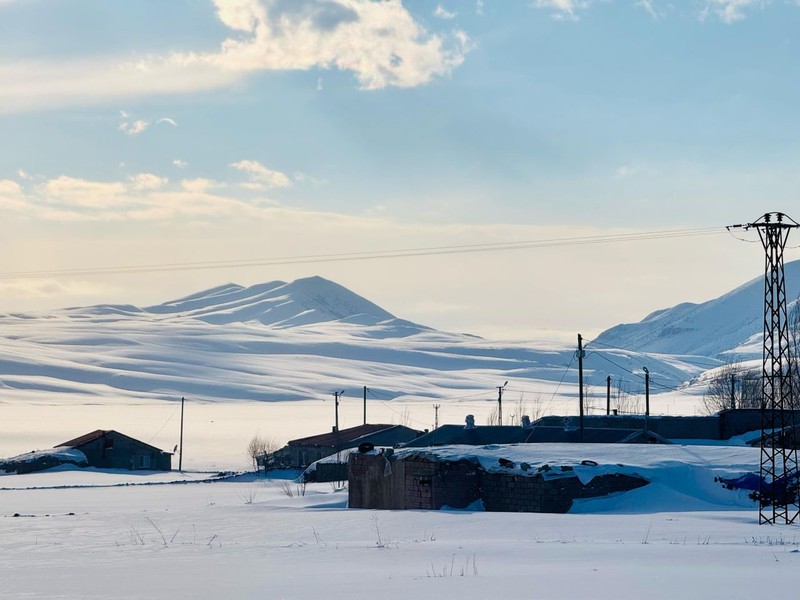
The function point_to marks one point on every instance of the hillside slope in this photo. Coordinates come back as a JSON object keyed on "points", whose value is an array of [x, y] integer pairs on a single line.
{"points": [[728, 325], [279, 341]]}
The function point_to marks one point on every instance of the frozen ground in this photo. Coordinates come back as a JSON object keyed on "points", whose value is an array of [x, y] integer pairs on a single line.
{"points": [[266, 359], [263, 360], [247, 538]]}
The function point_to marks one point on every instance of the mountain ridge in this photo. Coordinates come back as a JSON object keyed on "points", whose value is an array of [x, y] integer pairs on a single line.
{"points": [[727, 326], [302, 302], [277, 341]]}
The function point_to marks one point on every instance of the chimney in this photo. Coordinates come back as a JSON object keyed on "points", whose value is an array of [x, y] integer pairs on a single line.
{"points": [[470, 420]]}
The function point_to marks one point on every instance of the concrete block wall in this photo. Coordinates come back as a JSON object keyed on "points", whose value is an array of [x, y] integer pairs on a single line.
{"points": [[431, 485], [523, 493], [421, 483]]}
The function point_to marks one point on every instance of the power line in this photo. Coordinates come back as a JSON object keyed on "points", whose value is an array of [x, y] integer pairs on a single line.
{"points": [[678, 389], [404, 416], [563, 376], [683, 358], [359, 256]]}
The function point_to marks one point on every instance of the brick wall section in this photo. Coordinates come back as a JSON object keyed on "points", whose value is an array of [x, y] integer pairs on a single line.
{"points": [[376, 482], [503, 492], [418, 484], [421, 483], [432, 485]]}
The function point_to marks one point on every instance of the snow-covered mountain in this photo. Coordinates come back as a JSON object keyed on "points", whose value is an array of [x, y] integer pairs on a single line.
{"points": [[731, 324], [279, 341], [277, 304]]}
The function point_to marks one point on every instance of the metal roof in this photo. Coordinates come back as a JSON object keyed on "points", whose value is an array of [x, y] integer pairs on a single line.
{"points": [[99, 433], [479, 435], [344, 436]]}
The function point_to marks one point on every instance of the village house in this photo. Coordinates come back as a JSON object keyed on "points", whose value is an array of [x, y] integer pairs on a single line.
{"points": [[300, 453], [109, 449]]}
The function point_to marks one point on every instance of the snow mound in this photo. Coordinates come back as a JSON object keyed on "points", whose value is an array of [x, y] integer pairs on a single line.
{"points": [[39, 460], [682, 478]]}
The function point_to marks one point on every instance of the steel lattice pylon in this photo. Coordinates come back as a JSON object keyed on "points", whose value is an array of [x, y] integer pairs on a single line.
{"points": [[778, 490]]}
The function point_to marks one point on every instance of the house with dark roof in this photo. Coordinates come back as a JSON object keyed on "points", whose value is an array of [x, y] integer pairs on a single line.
{"points": [[606, 429], [300, 453], [476, 435], [109, 449], [546, 429]]}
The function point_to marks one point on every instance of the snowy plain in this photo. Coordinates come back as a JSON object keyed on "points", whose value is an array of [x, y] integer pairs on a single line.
{"points": [[265, 360], [247, 537]]}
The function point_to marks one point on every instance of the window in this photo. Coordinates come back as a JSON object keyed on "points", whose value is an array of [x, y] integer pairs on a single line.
{"points": [[143, 462]]}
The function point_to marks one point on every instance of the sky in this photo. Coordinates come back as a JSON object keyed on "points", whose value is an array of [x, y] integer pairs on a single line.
{"points": [[177, 132]]}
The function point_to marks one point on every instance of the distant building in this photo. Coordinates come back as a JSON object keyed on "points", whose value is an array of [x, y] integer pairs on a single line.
{"points": [[109, 449], [300, 453], [606, 429]]}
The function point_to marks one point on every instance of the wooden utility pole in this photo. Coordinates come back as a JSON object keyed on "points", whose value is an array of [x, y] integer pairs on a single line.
{"points": [[180, 451], [336, 408], [500, 389], [733, 391], [365, 405], [608, 395], [436, 416], [580, 384]]}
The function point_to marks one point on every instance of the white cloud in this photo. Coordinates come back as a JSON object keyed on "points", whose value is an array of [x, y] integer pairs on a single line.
{"points": [[167, 120], [143, 197], [200, 185], [181, 164], [10, 188], [134, 128], [379, 42], [729, 11], [261, 174], [563, 9], [443, 13], [302, 178], [148, 181], [649, 8], [82, 193], [12, 197]]}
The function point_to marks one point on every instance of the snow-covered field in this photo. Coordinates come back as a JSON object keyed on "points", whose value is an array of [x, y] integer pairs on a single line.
{"points": [[265, 360], [249, 538]]}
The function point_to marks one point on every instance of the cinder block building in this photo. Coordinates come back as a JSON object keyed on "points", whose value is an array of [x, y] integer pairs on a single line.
{"points": [[109, 449]]}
